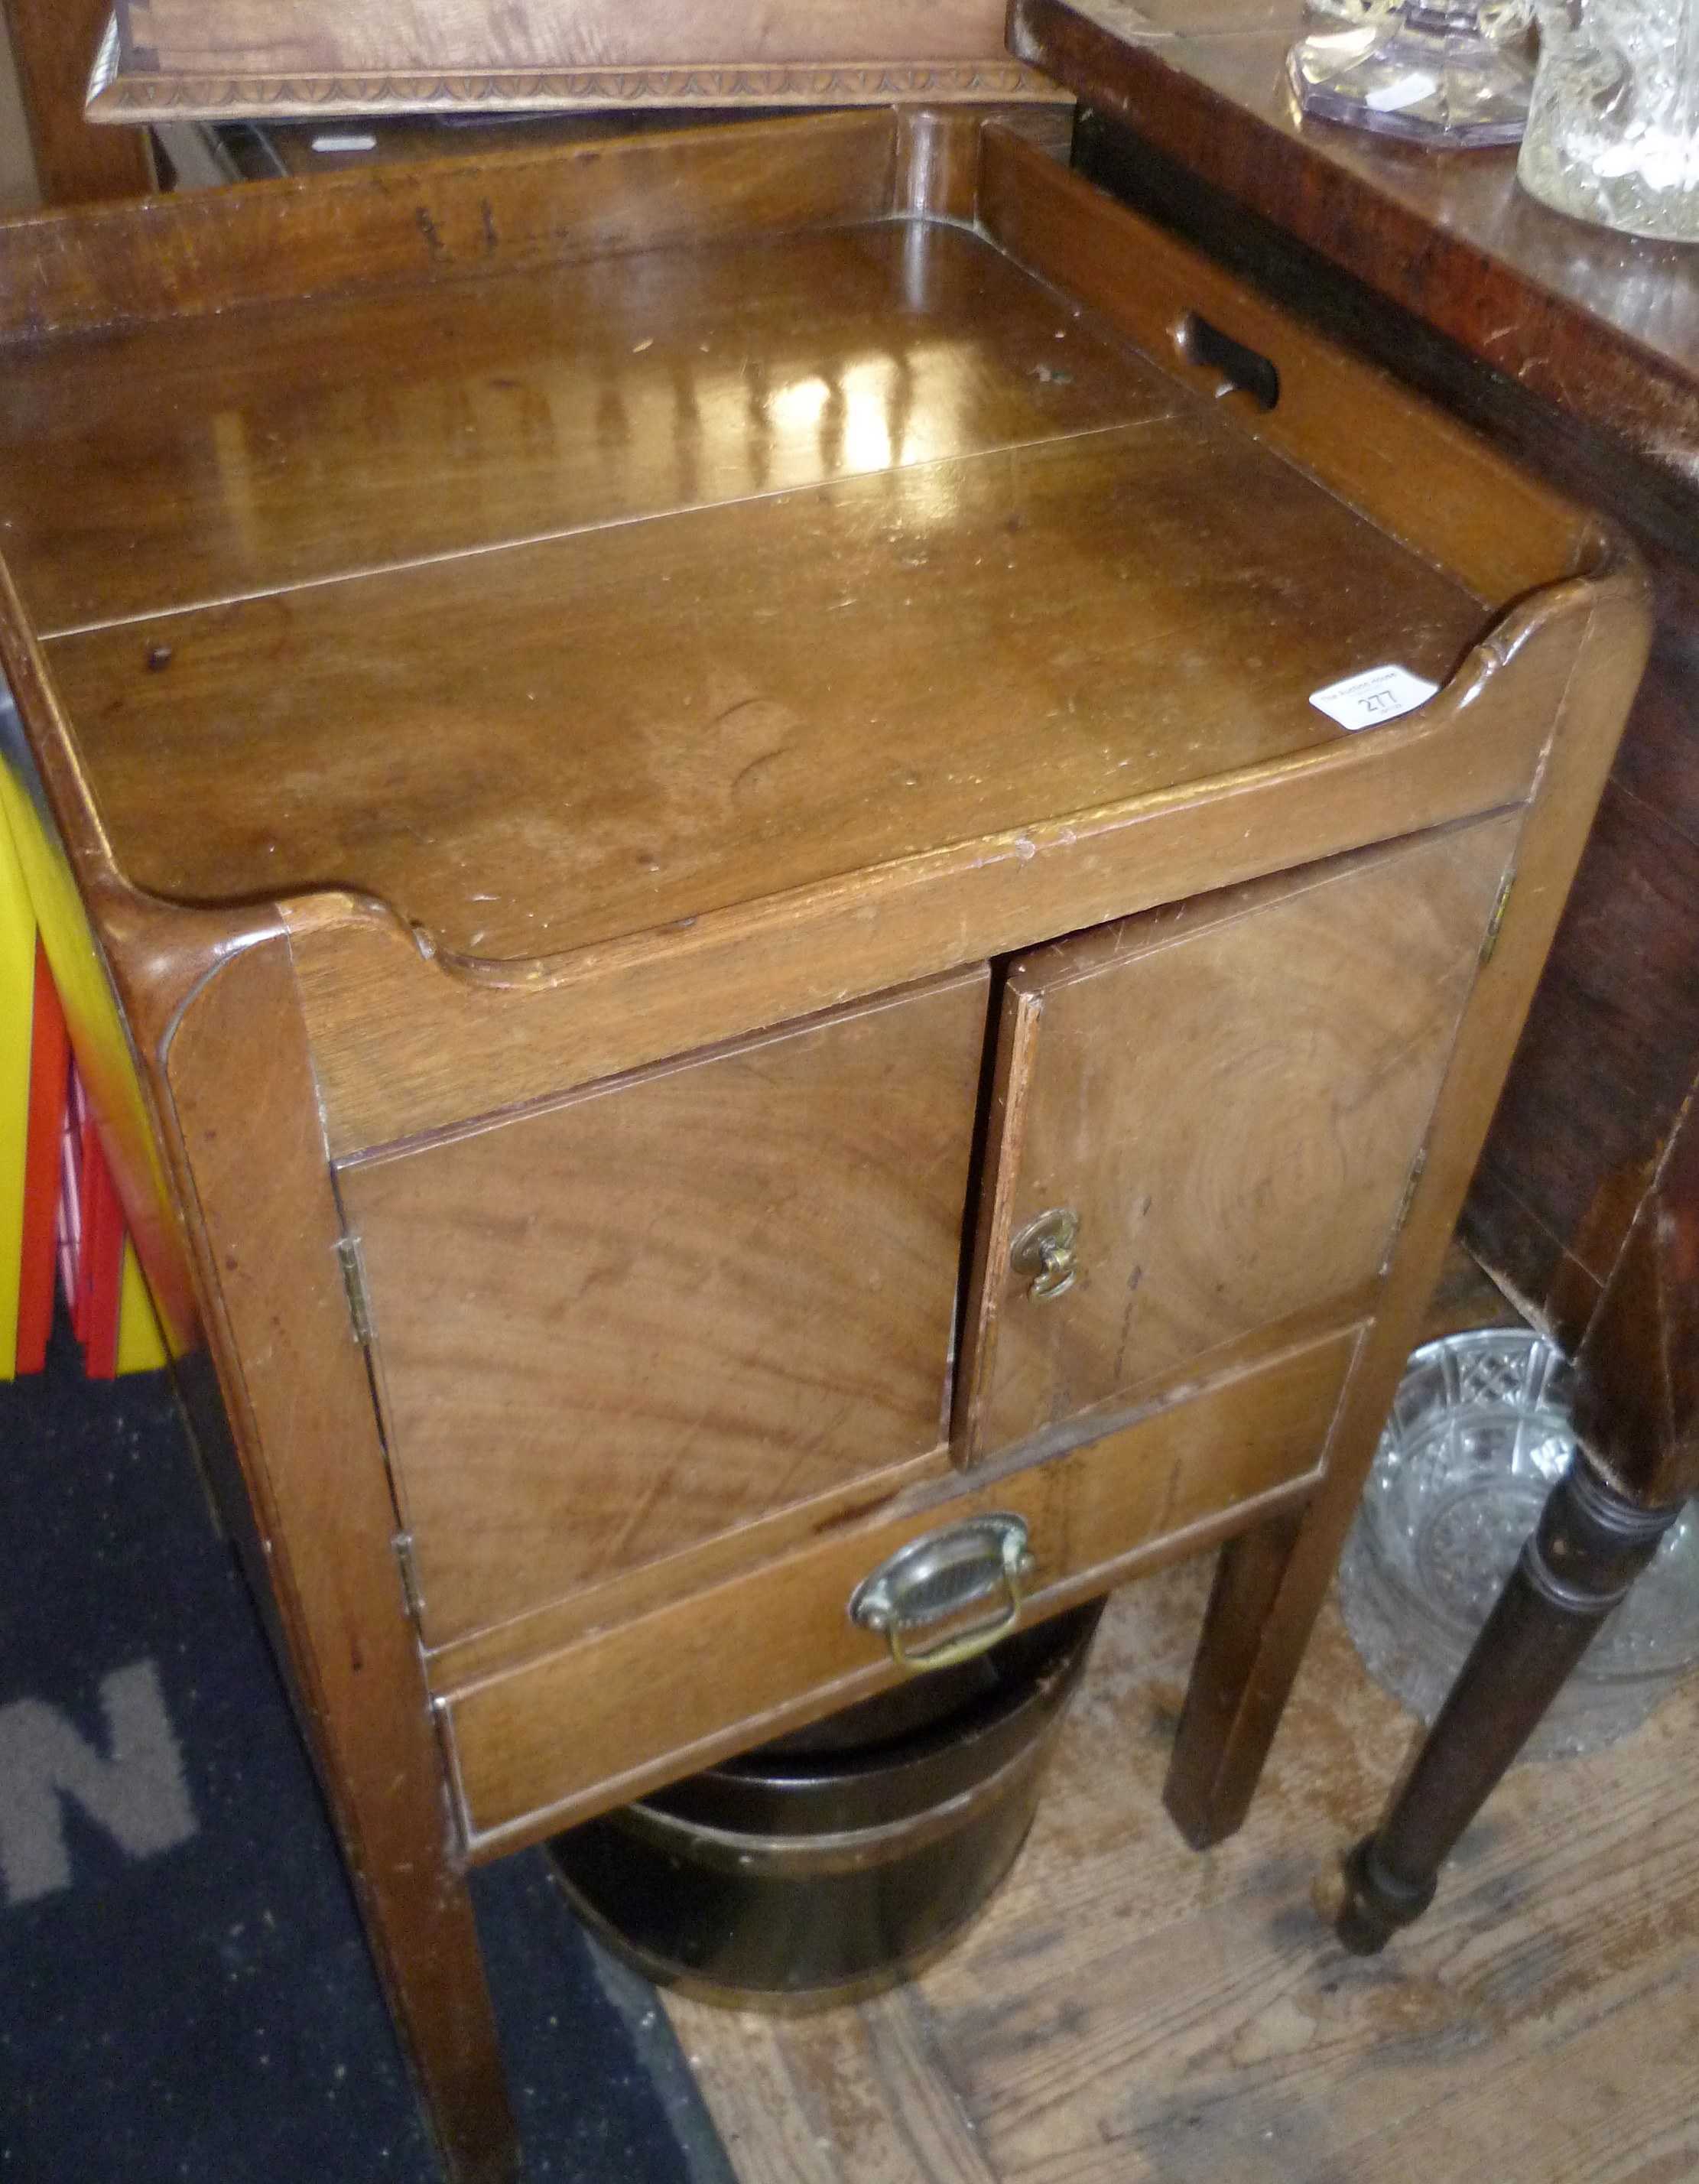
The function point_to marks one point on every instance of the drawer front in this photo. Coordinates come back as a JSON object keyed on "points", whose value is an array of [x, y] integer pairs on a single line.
{"points": [[624, 1325], [618, 1713], [1206, 1119]]}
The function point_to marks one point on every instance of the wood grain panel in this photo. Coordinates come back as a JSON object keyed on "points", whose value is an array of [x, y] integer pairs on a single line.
{"points": [[470, 37], [754, 697], [629, 1707], [674, 1306], [290, 444], [1230, 1095], [628, 1595]]}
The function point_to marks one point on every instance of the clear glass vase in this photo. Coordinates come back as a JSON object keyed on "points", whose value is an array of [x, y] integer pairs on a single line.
{"points": [[1613, 128], [1440, 72]]}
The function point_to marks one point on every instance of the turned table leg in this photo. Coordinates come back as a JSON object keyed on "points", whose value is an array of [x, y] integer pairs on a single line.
{"points": [[1637, 1428], [1590, 1545]]}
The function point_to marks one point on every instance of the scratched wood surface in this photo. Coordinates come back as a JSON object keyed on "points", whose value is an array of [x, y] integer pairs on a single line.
{"points": [[1128, 2010]]}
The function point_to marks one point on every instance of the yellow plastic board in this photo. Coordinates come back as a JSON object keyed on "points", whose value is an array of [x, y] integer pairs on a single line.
{"points": [[140, 1343], [98, 1038]]}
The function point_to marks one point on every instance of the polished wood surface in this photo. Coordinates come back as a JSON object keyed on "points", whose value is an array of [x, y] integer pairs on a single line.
{"points": [[679, 1303], [55, 43], [190, 256], [1411, 471], [1230, 1095], [759, 695], [753, 700], [572, 1732], [410, 1044], [1128, 2013], [286, 447]]}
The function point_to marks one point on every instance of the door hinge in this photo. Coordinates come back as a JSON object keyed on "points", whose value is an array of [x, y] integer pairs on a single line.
{"points": [[1499, 907], [1404, 1205], [354, 1281], [409, 1567]]}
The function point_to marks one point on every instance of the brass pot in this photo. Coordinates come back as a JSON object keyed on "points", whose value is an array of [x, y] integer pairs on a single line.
{"points": [[823, 1866]]}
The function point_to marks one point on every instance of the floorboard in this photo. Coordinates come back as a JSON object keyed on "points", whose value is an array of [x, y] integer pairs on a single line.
{"points": [[1128, 2010]]}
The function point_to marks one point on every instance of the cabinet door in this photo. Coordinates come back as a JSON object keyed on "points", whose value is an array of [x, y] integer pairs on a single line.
{"points": [[1225, 1101], [673, 1304]]}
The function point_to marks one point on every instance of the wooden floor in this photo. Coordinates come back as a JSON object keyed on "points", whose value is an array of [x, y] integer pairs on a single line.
{"points": [[1126, 2009]]}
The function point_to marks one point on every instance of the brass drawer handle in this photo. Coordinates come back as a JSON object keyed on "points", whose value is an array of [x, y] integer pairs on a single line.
{"points": [[1043, 1253], [934, 1577]]}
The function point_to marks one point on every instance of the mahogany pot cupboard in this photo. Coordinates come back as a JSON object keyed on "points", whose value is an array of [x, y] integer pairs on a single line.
{"points": [[692, 765]]}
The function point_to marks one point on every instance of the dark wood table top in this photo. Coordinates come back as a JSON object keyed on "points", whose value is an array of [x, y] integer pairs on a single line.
{"points": [[1603, 327]]}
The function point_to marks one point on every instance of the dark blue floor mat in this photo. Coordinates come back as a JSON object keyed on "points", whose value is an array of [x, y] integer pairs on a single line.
{"points": [[185, 1992]]}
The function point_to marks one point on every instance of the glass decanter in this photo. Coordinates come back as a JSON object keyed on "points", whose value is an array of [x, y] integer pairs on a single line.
{"points": [[1430, 71]]}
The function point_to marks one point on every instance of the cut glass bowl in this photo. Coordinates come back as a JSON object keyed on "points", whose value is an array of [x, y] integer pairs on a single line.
{"points": [[1480, 1433]]}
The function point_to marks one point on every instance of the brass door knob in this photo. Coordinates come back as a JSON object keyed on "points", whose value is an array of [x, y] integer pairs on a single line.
{"points": [[1042, 1254]]}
